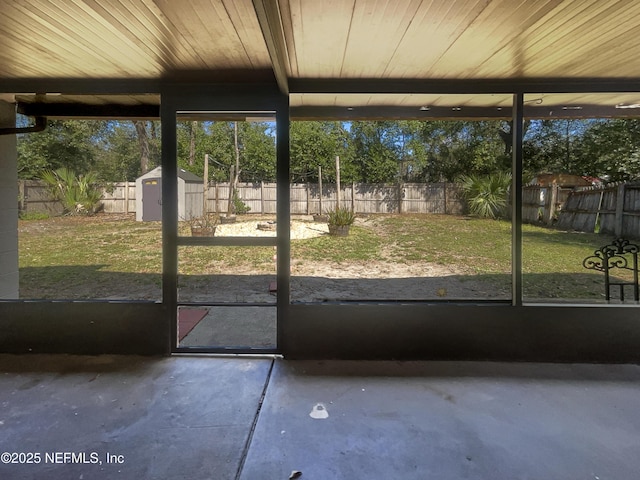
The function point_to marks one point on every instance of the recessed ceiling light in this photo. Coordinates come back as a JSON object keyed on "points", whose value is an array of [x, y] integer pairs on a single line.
{"points": [[632, 105], [425, 109], [575, 107]]}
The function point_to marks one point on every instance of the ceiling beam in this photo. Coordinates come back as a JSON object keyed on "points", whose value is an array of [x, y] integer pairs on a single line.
{"points": [[551, 112], [81, 110], [88, 86], [268, 13]]}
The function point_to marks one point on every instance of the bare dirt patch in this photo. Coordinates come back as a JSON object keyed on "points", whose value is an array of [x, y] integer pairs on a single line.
{"points": [[300, 228]]}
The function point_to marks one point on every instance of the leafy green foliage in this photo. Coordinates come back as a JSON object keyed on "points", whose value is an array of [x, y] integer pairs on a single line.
{"points": [[611, 149], [369, 151], [69, 143], [486, 195], [316, 144], [79, 194], [376, 152], [239, 206]]}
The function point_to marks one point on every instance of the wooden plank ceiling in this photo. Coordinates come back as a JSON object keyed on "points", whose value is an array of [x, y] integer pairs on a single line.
{"points": [[128, 39], [304, 41]]}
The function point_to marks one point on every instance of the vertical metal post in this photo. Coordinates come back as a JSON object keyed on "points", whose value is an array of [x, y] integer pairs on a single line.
{"points": [[169, 216], [517, 130], [283, 220]]}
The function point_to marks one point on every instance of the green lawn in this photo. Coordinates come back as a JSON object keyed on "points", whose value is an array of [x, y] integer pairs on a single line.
{"points": [[63, 257]]}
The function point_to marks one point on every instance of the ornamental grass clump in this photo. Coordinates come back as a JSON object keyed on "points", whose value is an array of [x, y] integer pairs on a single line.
{"points": [[341, 217], [340, 221]]}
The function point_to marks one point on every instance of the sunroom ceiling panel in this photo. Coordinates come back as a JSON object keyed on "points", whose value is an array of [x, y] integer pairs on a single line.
{"points": [[128, 38]]}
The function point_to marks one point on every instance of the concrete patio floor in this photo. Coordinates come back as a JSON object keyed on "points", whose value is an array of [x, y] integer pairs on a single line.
{"points": [[105, 417]]}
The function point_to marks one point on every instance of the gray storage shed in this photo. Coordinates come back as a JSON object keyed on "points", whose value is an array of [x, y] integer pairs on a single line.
{"points": [[149, 195]]}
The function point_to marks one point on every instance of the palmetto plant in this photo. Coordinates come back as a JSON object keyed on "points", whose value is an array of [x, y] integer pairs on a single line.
{"points": [[79, 194], [487, 195]]}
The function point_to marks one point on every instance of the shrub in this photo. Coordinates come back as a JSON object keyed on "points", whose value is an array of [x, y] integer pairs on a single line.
{"points": [[79, 194], [239, 206], [487, 195]]}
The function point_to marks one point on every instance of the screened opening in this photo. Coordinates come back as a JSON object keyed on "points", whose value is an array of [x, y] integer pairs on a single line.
{"points": [[581, 193], [416, 233], [227, 199], [79, 237]]}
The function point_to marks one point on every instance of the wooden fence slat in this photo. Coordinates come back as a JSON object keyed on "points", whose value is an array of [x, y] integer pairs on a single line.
{"points": [[612, 210], [260, 197]]}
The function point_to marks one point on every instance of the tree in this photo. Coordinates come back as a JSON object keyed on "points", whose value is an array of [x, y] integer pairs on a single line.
{"points": [[257, 148], [316, 144], [611, 149], [122, 155], [376, 151], [69, 143], [444, 150]]}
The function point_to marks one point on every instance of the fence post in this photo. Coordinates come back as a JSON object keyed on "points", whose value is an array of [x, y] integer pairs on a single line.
{"points": [[553, 200], [126, 197], [306, 186], [444, 195], [205, 184], [619, 210], [320, 189], [21, 196], [353, 197], [400, 197], [337, 182], [262, 197]]}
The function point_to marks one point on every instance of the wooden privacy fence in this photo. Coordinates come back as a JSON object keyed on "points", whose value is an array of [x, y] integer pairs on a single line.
{"points": [[613, 210], [443, 198], [34, 196], [542, 203]]}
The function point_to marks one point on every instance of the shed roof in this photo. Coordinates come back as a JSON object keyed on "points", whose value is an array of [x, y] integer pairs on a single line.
{"points": [[380, 55], [182, 173]]}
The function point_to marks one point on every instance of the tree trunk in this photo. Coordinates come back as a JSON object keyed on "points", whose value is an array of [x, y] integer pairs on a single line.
{"points": [[507, 136], [192, 143], [233, 180], [143, 142], [235, 141]]}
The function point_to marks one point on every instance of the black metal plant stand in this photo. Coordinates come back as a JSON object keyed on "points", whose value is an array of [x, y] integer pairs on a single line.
{"points": [[620, 254]]}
